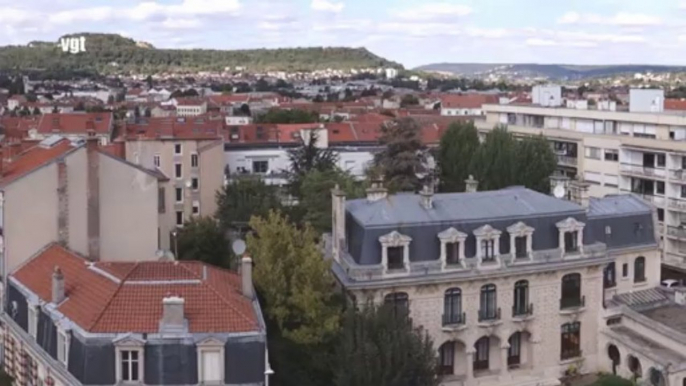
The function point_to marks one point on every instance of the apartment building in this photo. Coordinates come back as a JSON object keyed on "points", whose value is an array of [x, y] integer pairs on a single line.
{"points": [[190, 153], [70, 322], [642, 152], [190, 107], [77, 195], [510, 284], [74, 126]]}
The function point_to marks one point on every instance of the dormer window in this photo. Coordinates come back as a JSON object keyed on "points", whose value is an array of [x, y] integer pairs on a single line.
{"points": [[571, 235], [395, 251], [571, 241], [521, 239], [488, 242], [487, 250], [452, 248]]}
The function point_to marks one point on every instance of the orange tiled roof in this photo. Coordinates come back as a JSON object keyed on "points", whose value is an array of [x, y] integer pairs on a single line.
{"points": [[200, 127], [75, 123], [117, 149], [119, 297], [32, 159], [466, 101], [675, 104]]}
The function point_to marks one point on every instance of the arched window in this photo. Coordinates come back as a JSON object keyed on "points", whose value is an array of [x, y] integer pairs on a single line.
{"points": [[521, 298], [515, 350], [447, 358], [656, 377], [489, 307], [481, 356], [452, 307], [635, 366], [571, 291], [613, 354], [610, 276], [399, 303], [640, 269]]}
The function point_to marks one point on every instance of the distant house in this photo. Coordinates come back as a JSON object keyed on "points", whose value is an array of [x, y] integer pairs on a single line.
{"points": [[465, 104], [75, 126], [190, 107]]}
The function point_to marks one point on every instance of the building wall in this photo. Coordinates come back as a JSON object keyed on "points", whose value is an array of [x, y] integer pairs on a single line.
{"points": [[77, 179], [211, 172], [30, 211], [128, 212]]}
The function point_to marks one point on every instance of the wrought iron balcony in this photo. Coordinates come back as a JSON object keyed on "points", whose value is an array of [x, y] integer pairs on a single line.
{"points": [[571, 303], [453, 319], [489, 315], [522, 310]]}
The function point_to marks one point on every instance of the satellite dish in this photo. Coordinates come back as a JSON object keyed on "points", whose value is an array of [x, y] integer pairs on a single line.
{"points": [[238, 247], [559, 191]]}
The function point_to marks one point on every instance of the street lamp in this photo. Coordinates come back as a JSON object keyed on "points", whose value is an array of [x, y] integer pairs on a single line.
{"points": [[176, 244]]}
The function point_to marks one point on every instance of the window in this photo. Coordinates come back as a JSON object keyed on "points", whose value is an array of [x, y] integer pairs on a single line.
{"points": [[260, 166], [609, 276], [447, 358], [179, 218], [194, 160], [156, 160], [177, 149], [482, 354], [161, 201], [625, 270], [571, 342], [62, 346], [195, 184], [211, 365], [521, 298], [452, 307], [611, 155], [592, 152], [488, 250], [520, 247], [179, 194], [661, 214], [571, 291], [196, 207], [640, 269], [571, 241], [399, 303], [661, 160], [648, 160], [488, 310], [452, 251], [178, 171], [660, 188], [515, 350], [396, 258], [130, 368]]}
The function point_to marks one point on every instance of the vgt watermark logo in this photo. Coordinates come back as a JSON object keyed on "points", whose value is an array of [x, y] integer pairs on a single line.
{"points": [[73, 45]]}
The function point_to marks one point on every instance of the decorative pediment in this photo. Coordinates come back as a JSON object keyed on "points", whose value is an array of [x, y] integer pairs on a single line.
{"points": [[210, 342], [519, 228], [486, 232], [128, 340], [570, 223], [395, 239], [452, 235]]}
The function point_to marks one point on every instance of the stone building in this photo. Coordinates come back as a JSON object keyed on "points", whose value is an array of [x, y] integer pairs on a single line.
{"points": [[510, 284]]}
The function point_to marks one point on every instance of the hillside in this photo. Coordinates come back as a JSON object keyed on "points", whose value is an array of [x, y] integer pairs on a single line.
{"points": [[550, 71], [107, 53]]}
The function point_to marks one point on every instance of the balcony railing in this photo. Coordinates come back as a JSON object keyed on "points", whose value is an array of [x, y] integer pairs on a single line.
{"points": [[678, 232], [489, 315], [677, 204], [678, 174], [571, 303], [521, 310], [566, 160], [643, 171], [453, 319]]}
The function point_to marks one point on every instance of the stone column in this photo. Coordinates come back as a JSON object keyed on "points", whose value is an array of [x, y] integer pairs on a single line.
{"points": [[503, 358], [470, 364]]}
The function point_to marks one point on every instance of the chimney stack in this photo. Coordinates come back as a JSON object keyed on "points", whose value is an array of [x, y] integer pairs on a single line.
{"points": [[58, 294], [173, 319], [427, 197], [246, 277], [337, 221], [376, 192], [583, 194], [471, 185]]}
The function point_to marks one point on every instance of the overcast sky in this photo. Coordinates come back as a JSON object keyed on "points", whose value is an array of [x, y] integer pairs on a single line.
{"points": [[412, 32]]}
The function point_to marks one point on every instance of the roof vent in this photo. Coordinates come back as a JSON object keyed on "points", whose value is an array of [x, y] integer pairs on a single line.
{"points": [[50, 141]]}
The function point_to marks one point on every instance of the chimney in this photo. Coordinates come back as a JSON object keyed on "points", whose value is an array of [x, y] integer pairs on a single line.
{"points": [[93, 195], [427, 197], [337, 221], [471, 185], [57, 286], [246, 277], [559, 185], [173, 319], [376, 192], [583, 196]]}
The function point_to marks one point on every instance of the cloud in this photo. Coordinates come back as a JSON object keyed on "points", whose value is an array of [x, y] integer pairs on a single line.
{"points": [[540, 42], [432, 11], [622, 19], [327, 6]]}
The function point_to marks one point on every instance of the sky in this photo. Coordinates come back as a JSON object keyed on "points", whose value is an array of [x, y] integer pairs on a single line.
{"points": [[411, 32]]}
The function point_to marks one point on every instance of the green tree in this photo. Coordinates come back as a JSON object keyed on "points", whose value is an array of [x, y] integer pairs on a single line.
{"points": [[36, 111], [293, 279], [149, 82], [535, 162], [287, 116], [403, 155], [242, 199], [495, 163], [308, 157], [455, 155], [315, 195], [409, 100], [203, 240], [379, 348], [24, 112]]}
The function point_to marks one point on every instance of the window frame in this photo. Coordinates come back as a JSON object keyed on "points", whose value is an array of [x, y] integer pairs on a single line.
{"points": [[139, 362], [178, 195], [482, 354], [194, 160], [574, 299], [610, 275], [260, 162], [446, 364], [32, 316], [487, 250], [178, 170], [640, 274], [179, 223], [63, 340], [178, 149], [570, 340], [488, 302], [399, 303], [156, 160], [195, 184], [211, 346], [452, 306], [520, 299], [514, 352]]}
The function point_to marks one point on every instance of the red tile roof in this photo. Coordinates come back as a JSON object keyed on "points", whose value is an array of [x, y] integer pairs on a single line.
{"points": [[76, 123], [117, 149], [200, 127], [675, 104], [224, 100], [32, 159], [466, 101], [119, 297]]}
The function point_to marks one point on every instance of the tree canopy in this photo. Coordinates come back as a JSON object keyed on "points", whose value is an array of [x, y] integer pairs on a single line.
{"points": [[309, 157], [403, 155], [455, 155], [202, 239], [287, 116], [242, 199]]}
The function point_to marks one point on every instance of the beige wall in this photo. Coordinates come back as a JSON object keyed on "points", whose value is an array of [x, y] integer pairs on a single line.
{"points": [[128, 212], [627, 284], [211, 165], [77, 179], [30, 211]]}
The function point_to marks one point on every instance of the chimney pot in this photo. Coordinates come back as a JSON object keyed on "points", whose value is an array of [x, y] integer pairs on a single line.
{"points": [[246, 277], [377, 191], [471, 185], [427, 197], [173, 319], [58, 294]]}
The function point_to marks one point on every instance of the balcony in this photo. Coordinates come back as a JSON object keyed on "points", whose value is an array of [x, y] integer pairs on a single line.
{"points": [[522, 311], [678, 175], [678, 232], [572, 304], [566, 160], [677, 204], [454, 321], [642, 171], [489, 315]]}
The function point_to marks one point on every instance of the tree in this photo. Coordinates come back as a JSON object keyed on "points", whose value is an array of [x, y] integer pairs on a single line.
{"points": [[379, 348], [535, 162], [309, 157], [315, 195], [24, 112], [202, 239], [495, 164], [36, 111], [287, 116], [245, 110], [409, 100], [149, 82], [80, 106], [455, 155], [110, 100], [294, 279], [403, 155], [243, 198]]}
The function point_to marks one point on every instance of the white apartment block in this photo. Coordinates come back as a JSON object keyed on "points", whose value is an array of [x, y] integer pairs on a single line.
{"points": [[616, 152], [191, 109]]}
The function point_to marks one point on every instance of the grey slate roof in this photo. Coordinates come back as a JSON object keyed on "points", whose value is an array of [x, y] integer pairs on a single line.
{"points": [[652, 296], [613, 205], [514, 202]]}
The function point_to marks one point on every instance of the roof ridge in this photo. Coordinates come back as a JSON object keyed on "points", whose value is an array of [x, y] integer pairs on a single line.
{"points": [[222, 297], [112, 296]]}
